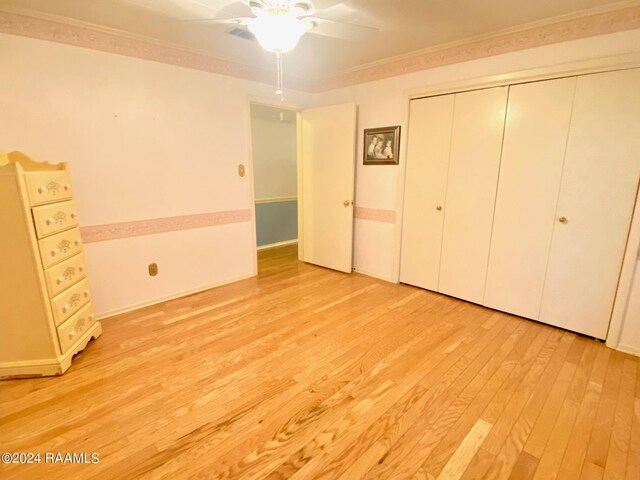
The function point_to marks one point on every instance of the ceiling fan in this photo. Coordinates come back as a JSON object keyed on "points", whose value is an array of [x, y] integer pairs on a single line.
{"points": [[278, 25], [302, 9]]}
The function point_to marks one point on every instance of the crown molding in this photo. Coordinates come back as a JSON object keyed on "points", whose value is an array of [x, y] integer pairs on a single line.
{"points": [[617, 18], [555, 30], [80, 34]]}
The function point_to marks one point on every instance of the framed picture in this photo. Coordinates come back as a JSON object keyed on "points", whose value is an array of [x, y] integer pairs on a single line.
{"points": [[381, 145]]}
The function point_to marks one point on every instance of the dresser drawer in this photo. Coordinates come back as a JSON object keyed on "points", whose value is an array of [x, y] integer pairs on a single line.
{"points": [[47, 187], [54, 218], [62, 276], [59, 247], [72, 330], [70, 301]]}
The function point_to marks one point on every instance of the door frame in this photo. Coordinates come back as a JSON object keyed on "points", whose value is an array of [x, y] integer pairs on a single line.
{"points": [[269, 102], [585, 67]]}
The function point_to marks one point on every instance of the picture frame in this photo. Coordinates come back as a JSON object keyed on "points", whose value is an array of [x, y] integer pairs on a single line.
{"points": [[381, 146]]}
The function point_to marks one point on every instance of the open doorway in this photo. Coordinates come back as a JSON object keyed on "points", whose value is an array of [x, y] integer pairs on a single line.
{"points": [[274, 150]]}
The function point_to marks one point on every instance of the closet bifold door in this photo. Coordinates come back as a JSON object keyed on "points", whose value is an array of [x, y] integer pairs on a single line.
{"points": [[476, 143], [429, 138], [595, 204], [535, 138]]}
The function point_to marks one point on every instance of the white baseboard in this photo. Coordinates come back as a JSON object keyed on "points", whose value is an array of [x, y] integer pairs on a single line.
{"points": [[155, 301], [629, 349], [279, 244], [375, 275]]}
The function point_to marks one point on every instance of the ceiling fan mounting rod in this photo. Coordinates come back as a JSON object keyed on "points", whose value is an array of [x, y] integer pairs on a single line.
{"points": [[280, 76]]}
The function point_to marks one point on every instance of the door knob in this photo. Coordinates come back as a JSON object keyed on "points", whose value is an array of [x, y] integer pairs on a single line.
{"points": [[563, 220], [439, 207], [346, 203]]}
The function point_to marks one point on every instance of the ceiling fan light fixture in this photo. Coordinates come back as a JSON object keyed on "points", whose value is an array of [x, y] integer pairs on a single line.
{"points": [[277, 27], [277, 32]]}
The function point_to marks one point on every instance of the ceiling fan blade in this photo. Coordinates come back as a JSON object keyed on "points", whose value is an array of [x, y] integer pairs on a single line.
{"points": [[222, 11], [231, 8], [223, 21], [343, 30]]}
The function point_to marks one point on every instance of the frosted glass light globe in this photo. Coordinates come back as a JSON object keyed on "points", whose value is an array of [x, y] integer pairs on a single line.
{"points": [[277, 32]]}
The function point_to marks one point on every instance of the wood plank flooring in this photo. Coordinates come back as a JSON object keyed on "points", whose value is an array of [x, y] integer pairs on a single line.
{"points": [[308, 373]]}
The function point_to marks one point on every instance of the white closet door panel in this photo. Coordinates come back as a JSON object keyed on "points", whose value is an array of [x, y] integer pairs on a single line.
{"points": [[599, 185], [535, 138], [426, 182], [476, 143]]}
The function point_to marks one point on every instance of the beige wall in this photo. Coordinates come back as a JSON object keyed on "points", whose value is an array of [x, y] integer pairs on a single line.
{"points": [[274, 152], [383, 103], [144, 140]]}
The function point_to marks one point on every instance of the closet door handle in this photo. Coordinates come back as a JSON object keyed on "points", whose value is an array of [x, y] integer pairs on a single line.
{"points": [[439, 208], [563, 220]]}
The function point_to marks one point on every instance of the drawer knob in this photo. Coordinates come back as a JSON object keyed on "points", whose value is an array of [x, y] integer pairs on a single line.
{"points": [[49, 221], [65, 308], [77, 242], [72, 333], [41, 190], [66, 187], [53, 253], [73, 215], [92, 317], [59, 280], [86, 293], [81, 268]]}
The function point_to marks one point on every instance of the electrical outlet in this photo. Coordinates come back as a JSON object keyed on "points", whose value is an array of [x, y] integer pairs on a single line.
{"points": [[153, 269]]}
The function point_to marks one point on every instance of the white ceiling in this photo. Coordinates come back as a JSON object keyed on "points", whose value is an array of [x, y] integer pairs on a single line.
{"points": [[403, 25]]}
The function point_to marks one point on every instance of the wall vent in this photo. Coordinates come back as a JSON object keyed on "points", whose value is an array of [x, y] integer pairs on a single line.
{"points": [[242, 33]]}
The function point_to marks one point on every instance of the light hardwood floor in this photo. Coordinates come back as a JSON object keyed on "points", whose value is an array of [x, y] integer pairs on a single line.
{"points": [[305, 373]]}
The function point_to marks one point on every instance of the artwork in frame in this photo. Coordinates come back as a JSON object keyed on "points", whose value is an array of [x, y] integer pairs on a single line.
{"points": [[382, 145]]}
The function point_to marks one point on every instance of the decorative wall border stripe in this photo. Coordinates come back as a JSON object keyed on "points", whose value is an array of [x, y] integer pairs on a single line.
{"points": [[551, 31], [113, 231], [95, 37], [375, 215], [276, 200]]}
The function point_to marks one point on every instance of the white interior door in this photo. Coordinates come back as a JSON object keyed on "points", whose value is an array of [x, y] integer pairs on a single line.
{"points": [[426, 187], [535, 139], [596, 201], [327, 146], [476, 143]]}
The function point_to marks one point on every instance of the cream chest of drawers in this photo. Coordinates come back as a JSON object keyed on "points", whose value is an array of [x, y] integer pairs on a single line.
{"points": [[46, 316]]}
